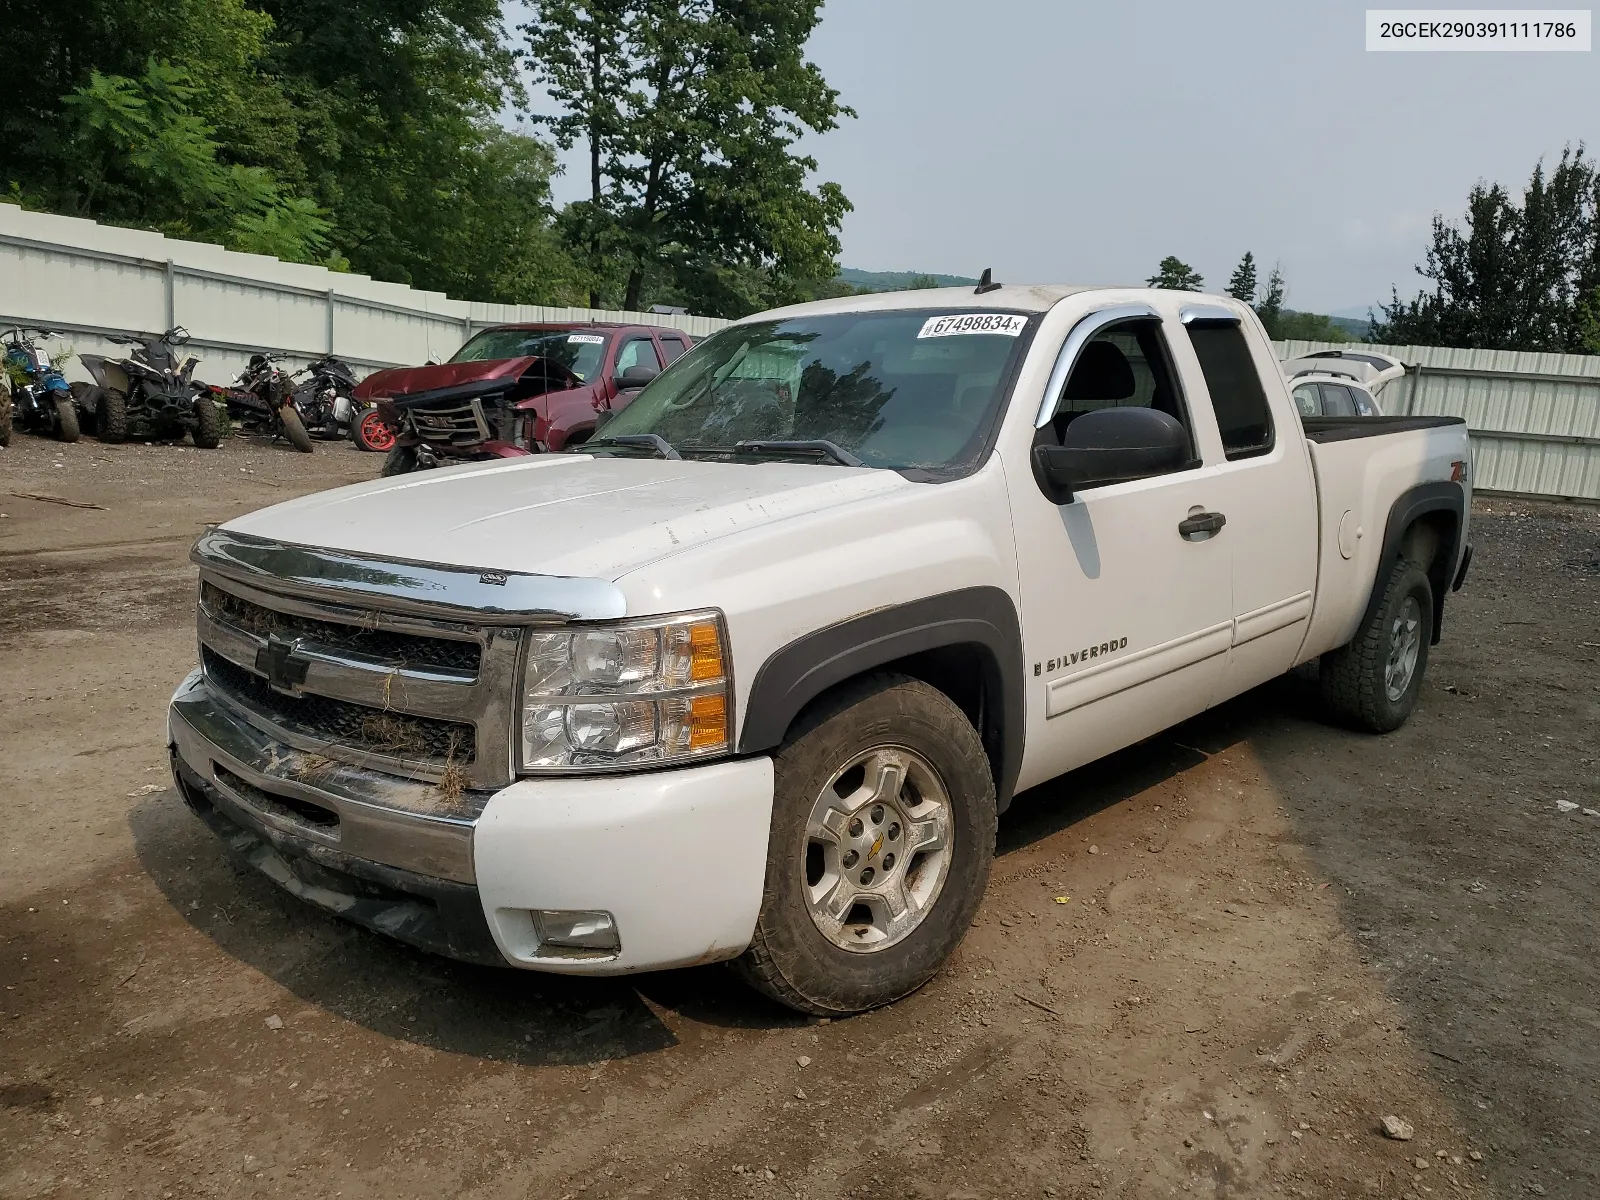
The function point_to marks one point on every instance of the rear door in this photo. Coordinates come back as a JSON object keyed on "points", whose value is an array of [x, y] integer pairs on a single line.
{"points": [[1266, 491]]}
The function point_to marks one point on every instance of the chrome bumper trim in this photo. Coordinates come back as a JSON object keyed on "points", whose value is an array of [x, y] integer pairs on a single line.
{"points": [[482, 595], [381, 818]]}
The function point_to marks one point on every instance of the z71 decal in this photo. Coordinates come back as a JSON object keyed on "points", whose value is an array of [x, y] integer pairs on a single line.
{"points": [[1078, 656]]}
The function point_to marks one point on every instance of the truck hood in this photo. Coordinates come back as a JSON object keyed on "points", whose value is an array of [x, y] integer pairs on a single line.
{"points": [[404, 381], [560, 514]]}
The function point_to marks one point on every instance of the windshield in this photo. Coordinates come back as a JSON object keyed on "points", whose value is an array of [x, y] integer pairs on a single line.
{"points": [[903, 390], [580, 352]]}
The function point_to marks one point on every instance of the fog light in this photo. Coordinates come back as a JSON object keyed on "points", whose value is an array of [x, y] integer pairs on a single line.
{"points": [[568, 929]]}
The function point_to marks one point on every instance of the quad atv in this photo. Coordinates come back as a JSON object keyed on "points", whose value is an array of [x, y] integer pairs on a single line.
{"points": [[151, 393]]}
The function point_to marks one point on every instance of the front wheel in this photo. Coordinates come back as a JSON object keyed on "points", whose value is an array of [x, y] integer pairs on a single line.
{"points": [[5, 415], [372, 433], [66, 419], [402, 460], [111, 416], [295, 430], [207, 422], [883, 828], [1373, 682]]}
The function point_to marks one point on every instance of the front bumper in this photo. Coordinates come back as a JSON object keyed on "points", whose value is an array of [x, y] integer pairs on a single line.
{"points": [[677, 857]]}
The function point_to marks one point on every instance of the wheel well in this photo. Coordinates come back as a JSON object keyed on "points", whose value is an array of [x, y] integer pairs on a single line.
{"points": [[968, 674], [1430, 542]]}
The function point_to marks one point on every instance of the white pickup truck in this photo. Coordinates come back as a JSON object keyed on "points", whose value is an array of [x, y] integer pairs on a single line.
{"points": [[753, 675]]}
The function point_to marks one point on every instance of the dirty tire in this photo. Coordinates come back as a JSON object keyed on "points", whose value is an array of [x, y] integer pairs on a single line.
{"points": [[111, 416], [789, 958], [295, 430], [66, 419], [207, 423], [1353, 677], [402, 460], [5, 415]]}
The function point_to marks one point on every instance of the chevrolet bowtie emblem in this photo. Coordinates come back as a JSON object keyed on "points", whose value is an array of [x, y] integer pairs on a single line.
{"points": [[284, 670]]}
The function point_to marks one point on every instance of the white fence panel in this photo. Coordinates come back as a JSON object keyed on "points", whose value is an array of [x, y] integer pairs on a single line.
{"points": [[89, 280], [1534, 417]]}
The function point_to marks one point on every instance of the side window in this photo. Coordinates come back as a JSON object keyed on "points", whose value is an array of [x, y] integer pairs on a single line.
{"points": [[1337, 401], [1235, 386], [1366, 406], [672, 346], [1125, 365], [640, 352], [1305, 399]]}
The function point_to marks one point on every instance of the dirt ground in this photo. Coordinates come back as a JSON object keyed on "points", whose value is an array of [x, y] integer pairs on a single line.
{"points": [[1207, 966]]}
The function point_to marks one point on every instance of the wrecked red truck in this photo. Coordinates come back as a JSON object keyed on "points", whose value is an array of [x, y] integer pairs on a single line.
{"points": [[516, 389]]}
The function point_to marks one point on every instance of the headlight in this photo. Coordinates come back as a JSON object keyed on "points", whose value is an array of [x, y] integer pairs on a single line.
{"points": [[642, 692]]}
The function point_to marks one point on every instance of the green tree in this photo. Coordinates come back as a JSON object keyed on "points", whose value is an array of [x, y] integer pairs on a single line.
{"points": [[1307, 327], [921, 283], [1242, 285], [146, 156], [1270, 309], [1514, 274], [690, 110], [1177, 275]]}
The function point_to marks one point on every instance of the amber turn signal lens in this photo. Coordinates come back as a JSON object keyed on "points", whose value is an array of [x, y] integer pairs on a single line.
{"points": [[708, 721], [705, 653]]}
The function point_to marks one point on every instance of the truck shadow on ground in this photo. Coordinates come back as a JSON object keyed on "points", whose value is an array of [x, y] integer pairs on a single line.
{"points": [[536, 1019]]}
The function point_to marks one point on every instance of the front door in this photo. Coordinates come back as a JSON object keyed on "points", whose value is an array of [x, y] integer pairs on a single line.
{"points": [[1128, 621]]}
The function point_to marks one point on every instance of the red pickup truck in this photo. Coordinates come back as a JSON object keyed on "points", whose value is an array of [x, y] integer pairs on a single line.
{"points": [[516, 389]]}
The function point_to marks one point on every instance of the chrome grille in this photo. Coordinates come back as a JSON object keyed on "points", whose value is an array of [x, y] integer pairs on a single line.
{"points": [[402, 649], [447, 424], [421, 698], [357, 726]]}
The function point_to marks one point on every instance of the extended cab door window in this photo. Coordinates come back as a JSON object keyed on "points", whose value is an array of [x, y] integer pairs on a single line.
{"points": [[1237, 396], [1337, 400], [672, 346], [1126, 365]]}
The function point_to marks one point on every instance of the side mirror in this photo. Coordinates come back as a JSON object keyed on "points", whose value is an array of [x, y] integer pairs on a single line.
{"points": [[1110, 445], [637, 376]]}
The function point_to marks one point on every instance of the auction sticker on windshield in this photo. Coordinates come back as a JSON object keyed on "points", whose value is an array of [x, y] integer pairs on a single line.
{"points": [[587, 339], [1005, 324]]}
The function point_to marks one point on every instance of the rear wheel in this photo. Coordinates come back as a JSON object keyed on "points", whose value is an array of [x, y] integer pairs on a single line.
{"points": [[1373, 683], [111, 416], [402, 460], [373, 433], [207, 422], [883, 828], [66, 419], [5, 415], [294, 429]]}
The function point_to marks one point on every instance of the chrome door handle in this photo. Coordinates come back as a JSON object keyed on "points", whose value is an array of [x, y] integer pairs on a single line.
{"points": [[1201, 526]]}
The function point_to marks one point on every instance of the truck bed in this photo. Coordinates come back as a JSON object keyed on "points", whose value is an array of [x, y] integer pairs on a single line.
{"points": [[1340, 429]]}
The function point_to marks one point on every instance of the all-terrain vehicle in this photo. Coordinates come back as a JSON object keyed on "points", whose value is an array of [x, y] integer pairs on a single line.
{"points": [[39, 398], [151, 393]]}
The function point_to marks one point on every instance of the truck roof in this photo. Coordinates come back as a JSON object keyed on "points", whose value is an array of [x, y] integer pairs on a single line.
{"points": [[1024, 297]]}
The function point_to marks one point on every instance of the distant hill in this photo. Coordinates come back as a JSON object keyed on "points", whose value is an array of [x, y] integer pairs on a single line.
{"points": [[895, 281], [1354, 326]]}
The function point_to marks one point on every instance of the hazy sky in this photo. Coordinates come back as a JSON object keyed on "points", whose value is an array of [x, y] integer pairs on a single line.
{"points": [[1080, 142]]}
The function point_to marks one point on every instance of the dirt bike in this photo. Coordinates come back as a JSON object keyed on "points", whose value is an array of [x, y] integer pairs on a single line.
{"points": [[151, 393], [39, 399]]}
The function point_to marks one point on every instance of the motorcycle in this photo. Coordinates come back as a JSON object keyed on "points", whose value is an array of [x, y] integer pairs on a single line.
{"points": [[263, 399], [323, 399], [151, 393], [40, 399]]}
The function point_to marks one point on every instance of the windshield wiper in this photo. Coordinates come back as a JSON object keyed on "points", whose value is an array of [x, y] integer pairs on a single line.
{"points": [[654, 441], [800, 446]]}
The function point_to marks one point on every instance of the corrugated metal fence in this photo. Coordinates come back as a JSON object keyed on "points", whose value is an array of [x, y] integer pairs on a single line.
{"points": [[1534, 418], [87, 280]]}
